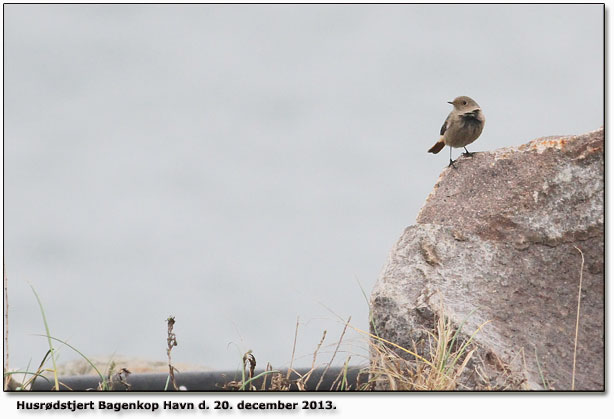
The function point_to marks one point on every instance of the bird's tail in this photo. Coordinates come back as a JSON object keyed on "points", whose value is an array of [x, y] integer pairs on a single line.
{"points": [[439, 145]]}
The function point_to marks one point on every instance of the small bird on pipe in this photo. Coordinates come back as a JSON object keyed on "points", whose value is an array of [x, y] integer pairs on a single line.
{"points": [[462, 127]]}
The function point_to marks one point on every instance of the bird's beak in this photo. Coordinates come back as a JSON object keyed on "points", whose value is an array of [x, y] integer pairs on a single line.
{"points": [[451, 103]]}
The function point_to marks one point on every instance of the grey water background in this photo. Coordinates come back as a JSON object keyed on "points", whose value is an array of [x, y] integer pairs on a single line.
{"points": [[239, 166]]}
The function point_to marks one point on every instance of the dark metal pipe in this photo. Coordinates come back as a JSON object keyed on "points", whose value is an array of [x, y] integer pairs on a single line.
{"points": [[207, 381]]}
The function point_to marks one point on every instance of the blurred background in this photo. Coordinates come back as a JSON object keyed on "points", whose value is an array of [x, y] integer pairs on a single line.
{"points": [[242, 166]]}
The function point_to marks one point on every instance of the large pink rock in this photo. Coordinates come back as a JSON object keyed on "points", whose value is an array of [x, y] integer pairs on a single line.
{"points": [[497, 237]]}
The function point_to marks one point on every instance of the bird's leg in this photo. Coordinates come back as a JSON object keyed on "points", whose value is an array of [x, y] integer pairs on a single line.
{"points": [[451, 161], [467, 153]]}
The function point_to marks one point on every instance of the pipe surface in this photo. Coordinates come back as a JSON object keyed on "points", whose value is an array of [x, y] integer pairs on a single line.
{"points": [[208, 381]]}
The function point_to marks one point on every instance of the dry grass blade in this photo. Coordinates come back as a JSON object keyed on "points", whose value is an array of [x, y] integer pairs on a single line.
{"points": [[334, 353], [302, 381], [545, 384], [293, 350], [468, 341], [395, 345], [575, 342], [463, 365], [268, 367], [446, 359]]}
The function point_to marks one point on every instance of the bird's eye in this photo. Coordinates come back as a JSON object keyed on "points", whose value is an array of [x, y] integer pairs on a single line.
{"points": [[464, 102]]}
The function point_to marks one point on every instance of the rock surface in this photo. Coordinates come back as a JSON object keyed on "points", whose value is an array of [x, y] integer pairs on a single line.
{"points": [[501, 239]]}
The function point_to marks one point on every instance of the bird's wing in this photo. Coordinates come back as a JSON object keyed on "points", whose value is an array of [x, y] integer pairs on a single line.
{"points": [[444, 127], [471, 114]]}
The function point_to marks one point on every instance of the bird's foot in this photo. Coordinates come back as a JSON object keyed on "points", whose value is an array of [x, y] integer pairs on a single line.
{"points": [[467, 153], [452, 164]]}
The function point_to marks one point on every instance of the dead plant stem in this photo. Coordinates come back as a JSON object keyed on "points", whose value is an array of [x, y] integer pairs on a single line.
{"points": [[334, 353], [575, 343]]}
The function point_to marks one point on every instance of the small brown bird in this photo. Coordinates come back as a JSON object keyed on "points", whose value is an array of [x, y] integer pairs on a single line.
{"points": [[462, 127]]}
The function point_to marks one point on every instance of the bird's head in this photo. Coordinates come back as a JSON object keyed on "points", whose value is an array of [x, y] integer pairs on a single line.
{"points": [[464, 103]]}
